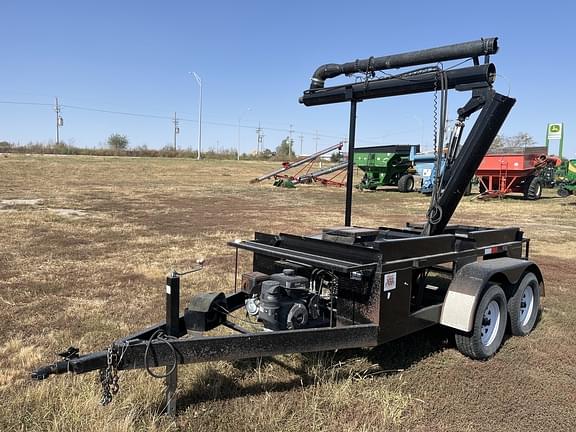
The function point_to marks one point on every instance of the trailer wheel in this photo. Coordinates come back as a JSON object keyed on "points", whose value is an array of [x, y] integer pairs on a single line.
{"points": [[534, 190], [406, 183], [523, 306], [489, 326]]}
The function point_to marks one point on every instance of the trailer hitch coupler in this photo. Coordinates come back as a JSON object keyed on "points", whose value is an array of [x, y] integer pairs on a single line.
{"points": [[45, 371]]}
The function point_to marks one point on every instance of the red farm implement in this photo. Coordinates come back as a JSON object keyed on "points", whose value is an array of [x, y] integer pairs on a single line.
{"points": [[305, 174], [513, 170]]}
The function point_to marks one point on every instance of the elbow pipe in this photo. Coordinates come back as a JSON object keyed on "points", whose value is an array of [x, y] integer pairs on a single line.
{"points": [[433, 55], [482, 75]]}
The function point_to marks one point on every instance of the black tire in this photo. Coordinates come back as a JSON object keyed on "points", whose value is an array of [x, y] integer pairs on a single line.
{"points": [[563, 192], [406, 183], [534, 190], [524, 305], [485, 339], [468, 190]]}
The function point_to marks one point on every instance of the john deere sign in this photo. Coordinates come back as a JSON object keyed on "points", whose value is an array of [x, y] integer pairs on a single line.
{"points": [[555, 131]]}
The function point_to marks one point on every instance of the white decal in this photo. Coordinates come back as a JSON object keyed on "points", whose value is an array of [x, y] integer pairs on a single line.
{"points": [[389, 281]]}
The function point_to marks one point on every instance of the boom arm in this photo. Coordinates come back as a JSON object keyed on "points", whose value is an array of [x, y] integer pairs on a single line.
{"points": [[495, 109]]}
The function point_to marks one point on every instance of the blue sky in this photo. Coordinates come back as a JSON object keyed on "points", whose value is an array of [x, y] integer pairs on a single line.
{"points": [[255, 59]]}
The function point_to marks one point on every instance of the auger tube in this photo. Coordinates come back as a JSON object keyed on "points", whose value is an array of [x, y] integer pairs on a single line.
{"points": [[432, 55]]}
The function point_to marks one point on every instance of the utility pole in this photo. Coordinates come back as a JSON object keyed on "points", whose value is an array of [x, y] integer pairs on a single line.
{"points": [[301, 144], [199, 81], [290, 141], [59, 120], [260, 139], [176, 130]]}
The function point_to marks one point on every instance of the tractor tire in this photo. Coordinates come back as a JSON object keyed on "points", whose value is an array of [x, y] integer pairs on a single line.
{"points": [[524, 305], [563, 192], [489, 326], [534, 190], [406, 183]]}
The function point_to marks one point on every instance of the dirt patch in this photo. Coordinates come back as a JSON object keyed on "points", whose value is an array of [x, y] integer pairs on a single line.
{"points": [[71, 213], [21, 202]]}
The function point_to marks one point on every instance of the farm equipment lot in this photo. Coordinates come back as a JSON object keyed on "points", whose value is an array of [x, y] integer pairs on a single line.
{"points": [[86, 243]]}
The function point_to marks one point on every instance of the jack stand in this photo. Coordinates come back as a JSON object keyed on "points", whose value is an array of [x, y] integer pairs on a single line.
{"points": [[172, 329]]}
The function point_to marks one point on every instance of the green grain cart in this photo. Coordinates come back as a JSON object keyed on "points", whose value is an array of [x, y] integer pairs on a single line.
{"points": [[566, 178], [386, 166]]}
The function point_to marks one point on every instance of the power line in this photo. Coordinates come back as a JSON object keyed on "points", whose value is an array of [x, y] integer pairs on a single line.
{"points": [[117, 112], [290, 130], [25, 103]]}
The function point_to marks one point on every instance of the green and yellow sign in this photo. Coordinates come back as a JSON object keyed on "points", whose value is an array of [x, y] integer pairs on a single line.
{"points": [[555, 131]]}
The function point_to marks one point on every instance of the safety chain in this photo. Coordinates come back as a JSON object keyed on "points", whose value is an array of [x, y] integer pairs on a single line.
{"points": [[435, 138], [434, 213], [109, 376]]}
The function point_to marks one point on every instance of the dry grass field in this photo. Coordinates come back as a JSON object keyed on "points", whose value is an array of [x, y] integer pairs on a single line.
{"points": [[86, 242]]}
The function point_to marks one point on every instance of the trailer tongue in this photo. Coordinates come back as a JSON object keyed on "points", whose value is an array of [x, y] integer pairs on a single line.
{"points": [[348, 286]]}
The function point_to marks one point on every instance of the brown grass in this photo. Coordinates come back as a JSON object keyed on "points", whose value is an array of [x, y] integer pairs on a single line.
{"points": [[86, 264]]}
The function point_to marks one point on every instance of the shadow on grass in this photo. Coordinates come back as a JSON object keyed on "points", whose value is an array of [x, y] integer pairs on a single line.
{"points": [[334, 366], [517, 198]]}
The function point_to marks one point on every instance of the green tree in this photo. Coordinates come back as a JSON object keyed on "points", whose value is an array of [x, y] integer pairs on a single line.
{"points": [[267, 153], [336, 156], [498, 142], [521, 139], [117, 141], [285, 148]]}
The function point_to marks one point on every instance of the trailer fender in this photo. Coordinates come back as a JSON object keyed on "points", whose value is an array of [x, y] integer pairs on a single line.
{"points": [[470, 281]]}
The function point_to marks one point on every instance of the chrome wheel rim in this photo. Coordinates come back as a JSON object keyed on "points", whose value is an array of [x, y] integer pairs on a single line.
{"points": [[526, 305]]}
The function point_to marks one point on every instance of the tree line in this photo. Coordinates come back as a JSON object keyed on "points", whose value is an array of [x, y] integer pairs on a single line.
{"points": [[119, 145]]}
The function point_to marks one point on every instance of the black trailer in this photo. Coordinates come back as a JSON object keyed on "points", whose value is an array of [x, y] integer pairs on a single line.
{"points": [[349, 286]]}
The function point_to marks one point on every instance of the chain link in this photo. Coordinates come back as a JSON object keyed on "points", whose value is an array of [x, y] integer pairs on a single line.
{"points": [[109, 376], [435, 137], [434, 212]]}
